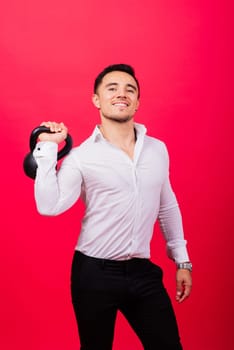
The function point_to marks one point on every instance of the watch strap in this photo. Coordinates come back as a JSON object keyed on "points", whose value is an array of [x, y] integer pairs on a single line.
{"points": [[185, 265]]}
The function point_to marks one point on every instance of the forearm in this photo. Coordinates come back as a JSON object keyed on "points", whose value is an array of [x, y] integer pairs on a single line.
{"points": [[171, 225], [55, 192]]}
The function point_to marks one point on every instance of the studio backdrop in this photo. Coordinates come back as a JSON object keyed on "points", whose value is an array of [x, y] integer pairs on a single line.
{"points": [[50, 54]]}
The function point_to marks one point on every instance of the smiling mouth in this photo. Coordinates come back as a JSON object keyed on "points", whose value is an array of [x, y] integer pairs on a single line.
{"points": [[120, 104]]}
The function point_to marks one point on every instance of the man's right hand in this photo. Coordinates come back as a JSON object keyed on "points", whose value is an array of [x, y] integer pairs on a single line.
{"points": [[59, 132]]}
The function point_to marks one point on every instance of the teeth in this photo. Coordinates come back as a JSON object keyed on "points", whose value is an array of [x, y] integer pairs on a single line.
{"points": [[121, 104]]}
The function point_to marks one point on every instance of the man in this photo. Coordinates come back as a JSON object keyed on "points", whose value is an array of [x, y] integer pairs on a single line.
{"points": [[122, 176]]}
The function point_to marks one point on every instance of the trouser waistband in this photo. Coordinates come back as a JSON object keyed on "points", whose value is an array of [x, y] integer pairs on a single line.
{"points": [[118, 264]]}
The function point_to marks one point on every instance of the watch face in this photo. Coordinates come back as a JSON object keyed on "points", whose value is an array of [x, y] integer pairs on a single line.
{"points": [[187, 266]]}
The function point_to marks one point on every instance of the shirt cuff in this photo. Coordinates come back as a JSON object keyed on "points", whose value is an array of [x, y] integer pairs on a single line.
{"points": [[45, 150], [178, 254]]}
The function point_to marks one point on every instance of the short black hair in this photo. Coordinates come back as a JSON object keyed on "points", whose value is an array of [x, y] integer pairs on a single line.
{"points": [[112, 68]]}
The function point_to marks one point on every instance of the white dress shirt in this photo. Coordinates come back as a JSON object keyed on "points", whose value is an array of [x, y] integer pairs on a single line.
{"points": [[123, 197]]}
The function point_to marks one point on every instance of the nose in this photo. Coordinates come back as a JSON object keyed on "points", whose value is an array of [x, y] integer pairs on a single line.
{"points": [[121, 93]]}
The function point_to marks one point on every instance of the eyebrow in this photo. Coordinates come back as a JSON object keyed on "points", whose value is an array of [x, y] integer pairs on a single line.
{"points": [[129, 85]]}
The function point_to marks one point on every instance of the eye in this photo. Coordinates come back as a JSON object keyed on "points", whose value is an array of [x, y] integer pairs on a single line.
{"points": [[111, 89]]}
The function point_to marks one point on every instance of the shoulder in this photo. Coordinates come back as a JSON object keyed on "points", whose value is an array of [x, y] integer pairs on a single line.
{"points": [[156, 149], [149, 140], [87, 151], [156, 144], [83, 146]]}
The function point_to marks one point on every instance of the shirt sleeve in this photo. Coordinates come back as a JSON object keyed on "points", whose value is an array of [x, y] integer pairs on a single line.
{"points": [[55, 191], [170, 221]]}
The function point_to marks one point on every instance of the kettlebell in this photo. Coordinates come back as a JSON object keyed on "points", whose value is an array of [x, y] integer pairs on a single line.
{"points": [[29, 163]]}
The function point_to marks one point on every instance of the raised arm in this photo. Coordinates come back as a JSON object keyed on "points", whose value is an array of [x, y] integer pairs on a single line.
{"points": [[55, 191]]}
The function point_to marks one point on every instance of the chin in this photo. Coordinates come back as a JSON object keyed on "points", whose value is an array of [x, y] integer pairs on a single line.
{"points": [[123, 119]]}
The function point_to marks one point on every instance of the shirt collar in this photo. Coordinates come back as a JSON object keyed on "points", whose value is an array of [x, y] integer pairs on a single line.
{"points": [[97, 135]]}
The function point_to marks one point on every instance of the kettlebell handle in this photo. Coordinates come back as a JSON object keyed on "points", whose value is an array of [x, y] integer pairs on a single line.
{"points": [[39, 130], [29, 164]]}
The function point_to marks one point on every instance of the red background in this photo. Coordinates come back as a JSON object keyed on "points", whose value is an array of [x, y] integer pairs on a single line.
{"points": [[50, 53]]}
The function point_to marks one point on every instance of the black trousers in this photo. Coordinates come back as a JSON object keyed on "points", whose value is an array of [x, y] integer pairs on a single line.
{"points": [[101, 287]]}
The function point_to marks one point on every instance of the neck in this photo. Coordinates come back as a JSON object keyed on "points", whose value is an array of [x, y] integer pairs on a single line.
{"points": [[120, 134]]}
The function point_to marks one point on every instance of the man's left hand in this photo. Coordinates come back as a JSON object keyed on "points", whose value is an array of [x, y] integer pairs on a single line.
{"points": [[183, 284]]}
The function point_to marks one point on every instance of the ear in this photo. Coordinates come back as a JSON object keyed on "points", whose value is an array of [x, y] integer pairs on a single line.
{"points": [[137, 105], [95, 100]]}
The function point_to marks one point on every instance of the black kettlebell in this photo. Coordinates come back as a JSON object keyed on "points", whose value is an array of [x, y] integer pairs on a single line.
{"points": [[29, 164]]}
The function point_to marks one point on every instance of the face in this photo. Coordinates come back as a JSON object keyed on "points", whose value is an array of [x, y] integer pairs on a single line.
{"points": [[117, 97]]}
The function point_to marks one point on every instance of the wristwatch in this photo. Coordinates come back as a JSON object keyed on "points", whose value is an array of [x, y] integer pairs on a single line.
{"points": [[185, 265]]}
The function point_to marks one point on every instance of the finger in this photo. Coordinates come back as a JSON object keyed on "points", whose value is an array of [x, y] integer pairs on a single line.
{"points": [[182, 295], [59, 132], [187, 290], [179, 289], [179, 295], [54, 126]]}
